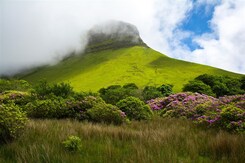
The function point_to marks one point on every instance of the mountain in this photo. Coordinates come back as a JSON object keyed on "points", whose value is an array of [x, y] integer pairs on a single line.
{"points": [[116, 54]]}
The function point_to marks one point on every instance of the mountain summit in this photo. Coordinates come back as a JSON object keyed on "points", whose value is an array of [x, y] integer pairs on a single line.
{"points": [[116, 54], [113, 35]]}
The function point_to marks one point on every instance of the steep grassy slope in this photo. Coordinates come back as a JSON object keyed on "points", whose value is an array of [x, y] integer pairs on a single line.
{"points": [[140, 65]]}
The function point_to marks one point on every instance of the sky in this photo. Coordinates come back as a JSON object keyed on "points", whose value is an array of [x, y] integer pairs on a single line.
{"points": [[35, 32]]}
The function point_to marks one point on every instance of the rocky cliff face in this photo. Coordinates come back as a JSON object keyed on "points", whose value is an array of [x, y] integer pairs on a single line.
{"points": [[113, 35]]}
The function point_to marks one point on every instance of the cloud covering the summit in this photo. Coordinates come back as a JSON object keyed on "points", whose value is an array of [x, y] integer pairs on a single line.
{"points": [[34, 32]]}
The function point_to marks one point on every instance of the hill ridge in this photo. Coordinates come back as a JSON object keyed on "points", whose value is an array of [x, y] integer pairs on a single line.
{"points": [[113, 35]]}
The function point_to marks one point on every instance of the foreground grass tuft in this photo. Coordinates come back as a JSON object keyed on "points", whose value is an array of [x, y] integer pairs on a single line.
{"points": [[159, 140]]}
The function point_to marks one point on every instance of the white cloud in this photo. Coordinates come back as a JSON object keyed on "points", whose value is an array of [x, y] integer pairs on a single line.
{"points": [[225, 47], [36, 31]]}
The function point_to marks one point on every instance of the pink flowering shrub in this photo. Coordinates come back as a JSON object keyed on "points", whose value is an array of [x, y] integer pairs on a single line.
{"points": [[225, 112]]}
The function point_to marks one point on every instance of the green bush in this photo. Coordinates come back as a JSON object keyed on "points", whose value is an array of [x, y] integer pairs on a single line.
{"points": [[151, 92], [58, 107], [198, 86], [12, 122], [222, 85], [72, 144], [135, 108], [232, 118], [166, 89], [115, 93], [49, 108], [18, 85], [17, 97], [112, 94], [43, 88], [106, 113], [78, 108], [243, 83]]}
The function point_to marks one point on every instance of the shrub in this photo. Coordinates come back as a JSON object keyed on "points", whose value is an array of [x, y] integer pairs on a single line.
{"points": [[131, 86], [166, 89], [243, 83], [222, 85], [135, 108], [78, 108], [112, 94], [115, 93], [226, 112], [72, 144], [106, 113], [49, 108], [12, 122], [233, 118], [58, 89], [18, 85], [199, 87], [17, 97], [150, 92]]}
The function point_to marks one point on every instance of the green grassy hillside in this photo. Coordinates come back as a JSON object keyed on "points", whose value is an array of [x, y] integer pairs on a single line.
{"points": [[137, 64]]}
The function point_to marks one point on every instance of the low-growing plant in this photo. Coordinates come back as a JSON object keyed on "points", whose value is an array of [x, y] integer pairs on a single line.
{"points": [[17, 85], [198, 86], [151, 92], [225, 112], [12, 122], [17, 97], [72, 144], [43, 88], [232, 118], [135, 108], [78, 108], [106, 113], [216, 85], [47, 108]]}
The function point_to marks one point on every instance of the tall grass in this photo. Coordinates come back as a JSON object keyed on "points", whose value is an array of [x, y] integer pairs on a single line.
{"points": [[160, 140]]}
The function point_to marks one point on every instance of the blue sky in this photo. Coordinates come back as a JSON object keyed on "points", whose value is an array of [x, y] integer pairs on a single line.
{"points": [[197, 22]]}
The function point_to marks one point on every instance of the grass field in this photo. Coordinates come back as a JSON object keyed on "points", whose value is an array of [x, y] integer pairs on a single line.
{"points": [[159, 140], [137, 64]]}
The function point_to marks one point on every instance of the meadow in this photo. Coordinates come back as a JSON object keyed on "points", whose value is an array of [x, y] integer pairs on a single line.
{"points": [[158, 140], [53, 123]]}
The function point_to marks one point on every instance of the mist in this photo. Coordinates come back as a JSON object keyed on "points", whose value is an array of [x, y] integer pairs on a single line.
{"points": [[37, 32]]}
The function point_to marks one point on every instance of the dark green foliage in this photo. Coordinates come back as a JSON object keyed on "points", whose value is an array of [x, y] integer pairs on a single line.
{"points": [[78, 108], [115, 93], [47, 108], [72, 144], [12, 122], [220, 85], [18, 85], [112, 94], [166, 89], [220, 89], [198, 86], [106, 113], [58, 89], [150, 92], [135, 108], [130, 86], [243, 83], [207, 79]]}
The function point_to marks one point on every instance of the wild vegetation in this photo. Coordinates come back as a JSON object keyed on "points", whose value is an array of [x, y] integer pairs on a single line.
{"points": [[53, 123]]}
